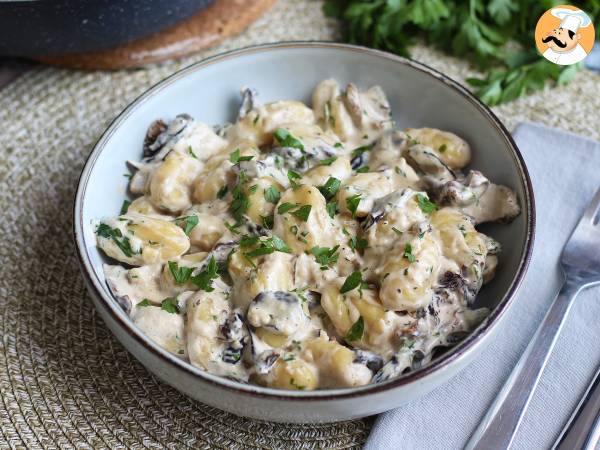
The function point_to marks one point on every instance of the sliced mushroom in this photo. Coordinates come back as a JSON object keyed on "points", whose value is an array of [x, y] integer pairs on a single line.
{"points": [[367, 107], [436, 172], [394, 201], [248, 102], [262, 355], [388, 149], [373, 361], [498, 203], [159, 139], [463, 192], [278, 311]]}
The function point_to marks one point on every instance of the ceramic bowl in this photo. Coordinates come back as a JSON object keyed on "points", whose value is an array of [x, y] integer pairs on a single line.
{"points": [[209, 91]]}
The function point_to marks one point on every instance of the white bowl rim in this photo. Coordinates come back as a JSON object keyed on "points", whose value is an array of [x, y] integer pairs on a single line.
{"points": [[440, 363]]}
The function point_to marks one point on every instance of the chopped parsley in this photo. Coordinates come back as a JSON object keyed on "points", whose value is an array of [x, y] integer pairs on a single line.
{"points": [[352, 203], [397, 231], [144, 303], [204, 279], [293, 176], [286, 139], [363, 169], [357, 243], [363, 148], [221, 193], [272, 195], [266, 247], [180, 274], [268, 221], [285, 207], [235, 157], [170, 305], [240, 203], [232, 228], [330, 188], [191, 152], [302, 213], [338, 145], [325, 256], [187, 223], [355, 333], [125, 207], [328, 161], [331, 209], [352, 282], [442, 148], [117, 237], [425, 204], [408, 254]]}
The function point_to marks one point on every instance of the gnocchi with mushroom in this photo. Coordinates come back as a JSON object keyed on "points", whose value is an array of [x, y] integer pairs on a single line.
{"points": [[304, 248]]}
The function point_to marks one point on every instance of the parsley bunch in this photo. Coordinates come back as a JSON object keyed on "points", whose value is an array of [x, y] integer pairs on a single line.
{"points": [[477, 30]]}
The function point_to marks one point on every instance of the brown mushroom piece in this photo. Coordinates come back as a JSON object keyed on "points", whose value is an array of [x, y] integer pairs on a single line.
{"points": [[367, 107], [160, 138], [277, 311], [248, 102], [436, 173]]}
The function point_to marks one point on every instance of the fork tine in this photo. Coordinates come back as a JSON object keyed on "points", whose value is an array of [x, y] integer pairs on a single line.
{"points": [[592, 208]]}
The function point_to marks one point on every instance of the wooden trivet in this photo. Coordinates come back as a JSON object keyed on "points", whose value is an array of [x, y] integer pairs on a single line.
{"points": [[210, 26]]}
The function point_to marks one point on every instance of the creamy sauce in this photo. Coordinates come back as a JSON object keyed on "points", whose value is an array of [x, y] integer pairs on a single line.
{"points": [[305, 248]]}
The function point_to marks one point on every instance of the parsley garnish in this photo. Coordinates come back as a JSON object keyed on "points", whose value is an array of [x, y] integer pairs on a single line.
{"points": [[240, 203], [408, 253], [293, 176], [285, 207], [352, 203], [191, 152], [355, 333], [204, 279], [268, 221], [144, 302], [330, 188], [325, 256], [442, 148], [357, 243], [266, 247], [170, 305], [331, 209], [187, 223], [125, 207], [363, 148], [397, 231], [302, 213], [352, 282], [232, 228], [235, 157], [180, 274], [272, 195], [117, 237], [363, 169], [426, 206], [327, 161], [285, 139]]}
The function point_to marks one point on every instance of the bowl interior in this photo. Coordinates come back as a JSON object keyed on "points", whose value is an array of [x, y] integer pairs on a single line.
{"points": [[210, 93]]}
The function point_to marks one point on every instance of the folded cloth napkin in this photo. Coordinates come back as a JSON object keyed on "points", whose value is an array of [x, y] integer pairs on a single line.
{"points": [[565, 171]]}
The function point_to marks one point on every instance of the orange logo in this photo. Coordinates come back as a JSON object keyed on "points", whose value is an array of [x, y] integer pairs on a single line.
{"points": [[564, 35]]}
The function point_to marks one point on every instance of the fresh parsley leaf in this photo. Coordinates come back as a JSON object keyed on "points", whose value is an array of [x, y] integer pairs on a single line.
{"points": [[397, 231], [240, 202], [408, 254], [144, 303], [232, 228], [204, 279], [191, 152], [425, 204], [267, 246], [328, 161], [330, 188], [170, 305], [355, 333], [272, 195], [352, 203], [125, 207], [187, 223], [285, 139], [117, 237], [235, 157], [363, 148], [325, 256], [286, 206], [363, 169], [222, 192], [302, 213], [293, 176], [331, 209], [352, 282], [357, 243], [268, 221], [180, 274]]}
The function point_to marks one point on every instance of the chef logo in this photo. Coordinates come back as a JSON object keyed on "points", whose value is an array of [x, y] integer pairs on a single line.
{"points": [[564, 35]]}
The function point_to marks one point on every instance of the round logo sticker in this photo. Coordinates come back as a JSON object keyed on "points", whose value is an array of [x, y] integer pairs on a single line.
{"points": [[564, 35]]}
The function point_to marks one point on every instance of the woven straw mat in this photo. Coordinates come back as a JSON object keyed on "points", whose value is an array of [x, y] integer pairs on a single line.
{"points": [[65, 382]]}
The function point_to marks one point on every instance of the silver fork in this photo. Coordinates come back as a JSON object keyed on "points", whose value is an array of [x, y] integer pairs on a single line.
{"points": [[580, 262]]}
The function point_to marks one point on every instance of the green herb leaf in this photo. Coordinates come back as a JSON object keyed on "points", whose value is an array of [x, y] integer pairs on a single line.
{"points": [[285, 207], [357, 243], [285, 139], [325, 256], [266, 246], [408, 253], [355, 333], [363, 169], [352, 282], [235, 157], [187, 223], [302, 213], [293, 176], [232, 228], [363, 148], [328, 161], [352, 203], [191, 152], [330, 188], [268, 221], [144, 303], [204, 279], [117, 237], [331, 209], [125, 207], [170, 305], [222, 192], [425, 204], [180, 274], [272, 195]]}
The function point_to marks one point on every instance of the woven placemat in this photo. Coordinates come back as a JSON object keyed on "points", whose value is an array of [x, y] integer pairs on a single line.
{"points": [[65, 382]]}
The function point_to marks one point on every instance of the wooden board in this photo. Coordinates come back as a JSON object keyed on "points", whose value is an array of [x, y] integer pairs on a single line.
{"points": [[210, 26]]}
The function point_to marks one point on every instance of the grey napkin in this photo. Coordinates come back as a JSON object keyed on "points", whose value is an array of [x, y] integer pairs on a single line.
{"points": [[565, 170]]}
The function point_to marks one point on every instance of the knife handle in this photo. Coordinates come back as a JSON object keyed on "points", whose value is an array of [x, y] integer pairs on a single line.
{"points": [[582, 431]]}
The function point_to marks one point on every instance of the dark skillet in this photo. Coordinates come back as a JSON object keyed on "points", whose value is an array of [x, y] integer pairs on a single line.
{"points": [[31, 28]]}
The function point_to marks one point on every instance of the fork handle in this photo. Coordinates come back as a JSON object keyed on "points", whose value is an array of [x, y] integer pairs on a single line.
{"points": [[498, 427]]}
